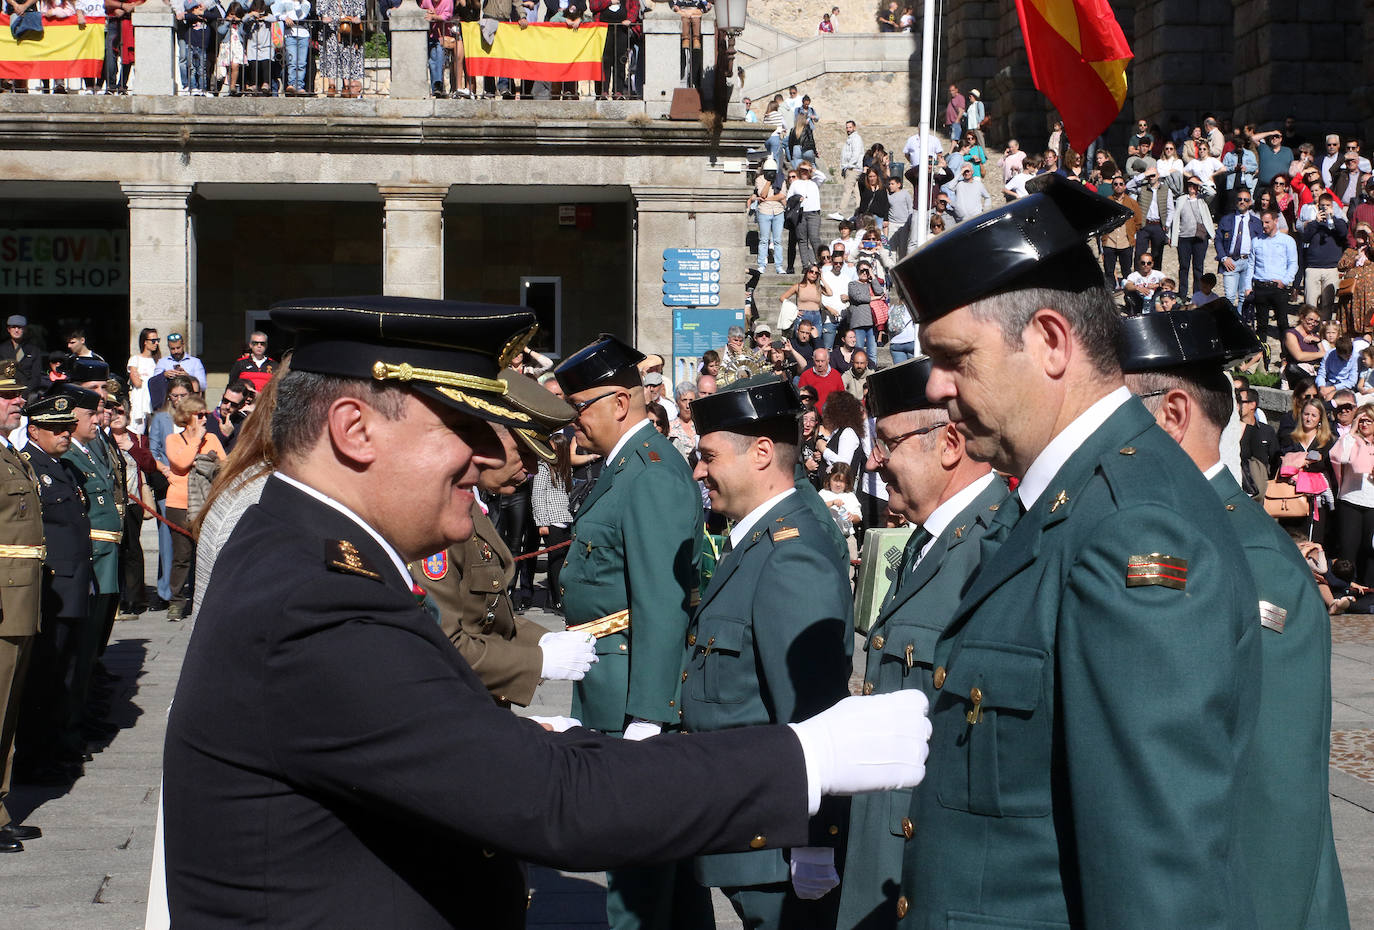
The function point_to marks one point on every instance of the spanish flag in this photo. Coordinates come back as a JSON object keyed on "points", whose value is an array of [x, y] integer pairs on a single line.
{"points": [[536, 52], [1078, 58], [66, 50]]}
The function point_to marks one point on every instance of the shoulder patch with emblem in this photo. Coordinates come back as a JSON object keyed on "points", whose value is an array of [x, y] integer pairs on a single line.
{"points": [[342, 556], [1156, 569], [435, 567], [654, 456], [1272, 616], [787, 532]]}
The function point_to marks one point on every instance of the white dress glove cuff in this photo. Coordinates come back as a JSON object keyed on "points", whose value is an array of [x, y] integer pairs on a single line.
{"points": [[811, 752], [642, 729]]}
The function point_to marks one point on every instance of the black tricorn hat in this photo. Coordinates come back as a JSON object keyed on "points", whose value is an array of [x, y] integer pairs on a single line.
{"points": [[79, 396], [548, 413], [1236, 337], [1154, 341], [1036, 241], [900, 387], [746, 405], [82, 369], [597, 364], [449, 351]]}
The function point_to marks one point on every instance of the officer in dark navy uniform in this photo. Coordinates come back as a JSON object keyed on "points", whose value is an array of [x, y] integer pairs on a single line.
{"points": [[1098, 680], [323, 721], [1173, 362], [51, 750], [951, 500]]}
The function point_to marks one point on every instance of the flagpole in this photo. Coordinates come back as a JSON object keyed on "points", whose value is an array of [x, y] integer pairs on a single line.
{"points": [[927, 95]]}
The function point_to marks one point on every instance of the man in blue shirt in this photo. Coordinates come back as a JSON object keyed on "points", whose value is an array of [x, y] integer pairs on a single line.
{"points": [[1274, 260], [1339, 369], [178, 360]]}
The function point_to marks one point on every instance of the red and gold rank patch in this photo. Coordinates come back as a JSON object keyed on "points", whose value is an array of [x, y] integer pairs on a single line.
{"points": [[1156, 569]]}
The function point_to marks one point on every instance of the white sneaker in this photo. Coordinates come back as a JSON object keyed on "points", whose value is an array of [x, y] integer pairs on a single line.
{"points": [[837, 218]]}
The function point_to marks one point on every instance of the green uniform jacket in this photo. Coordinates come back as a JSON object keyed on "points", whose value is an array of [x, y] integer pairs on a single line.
{"points": [[901, 655], [636, 544], [103, 498], [821, 512], [1094, 782], [468, 583], [1286, 836], [767, 645]]}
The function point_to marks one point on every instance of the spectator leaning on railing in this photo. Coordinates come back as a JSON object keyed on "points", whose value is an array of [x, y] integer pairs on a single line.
{"points": [[292, 14]]}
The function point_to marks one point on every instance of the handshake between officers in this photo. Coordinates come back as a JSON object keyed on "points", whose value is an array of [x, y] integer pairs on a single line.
{"points": [[324, 726]]}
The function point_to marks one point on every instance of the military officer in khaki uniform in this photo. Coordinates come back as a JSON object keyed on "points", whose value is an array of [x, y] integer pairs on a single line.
{"points": [[21, 562], [1173, 362], [756, 655], [1098, 682], [469, 581], [951, 500]]}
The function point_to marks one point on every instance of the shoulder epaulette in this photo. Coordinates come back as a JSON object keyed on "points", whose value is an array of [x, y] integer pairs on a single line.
{"points": [[340, 555], [781, 533]]}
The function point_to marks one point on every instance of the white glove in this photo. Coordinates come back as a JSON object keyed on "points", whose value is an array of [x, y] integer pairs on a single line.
{"points": [[642, 729], [874, 743], [813, 871], [567, 655], [557, 724]]}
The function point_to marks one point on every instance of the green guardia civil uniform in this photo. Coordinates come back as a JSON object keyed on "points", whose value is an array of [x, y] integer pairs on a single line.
{"points": [[768, 645], [1286, 837], [1096, 694], [901, 656], [636, 544], [107, 523]]}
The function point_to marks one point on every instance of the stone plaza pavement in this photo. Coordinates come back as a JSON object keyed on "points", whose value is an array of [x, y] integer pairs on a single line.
{"points": [[89, 871]]}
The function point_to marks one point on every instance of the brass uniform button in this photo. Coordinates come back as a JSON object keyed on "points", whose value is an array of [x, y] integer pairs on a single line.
{"points": [[879, 642], [692, 639], [902, 907], [834, 830], [684, 676], [624, 647], [758, 842], [1129, 450], [908, 828], [976, 695], [1230, 506], [940, 677], [868, 687]]}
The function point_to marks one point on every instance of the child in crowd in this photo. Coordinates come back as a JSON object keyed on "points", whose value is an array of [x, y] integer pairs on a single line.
{"points": [[197, 47], [826, 26], [231, 58], [1206, 290], [839, 496]]}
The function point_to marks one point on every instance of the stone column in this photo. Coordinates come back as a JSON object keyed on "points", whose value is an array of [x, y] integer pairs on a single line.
{"points": [[675, 218], [157, 49], [409, 52], [413, 242], [161, 260]]}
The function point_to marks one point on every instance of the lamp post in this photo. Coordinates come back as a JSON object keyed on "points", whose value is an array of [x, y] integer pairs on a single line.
{"points": [[730, 16]]}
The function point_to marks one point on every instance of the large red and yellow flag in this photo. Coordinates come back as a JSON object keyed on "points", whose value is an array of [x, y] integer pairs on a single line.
{"points": [[66, 50], [536, 52], [1078, 58]]}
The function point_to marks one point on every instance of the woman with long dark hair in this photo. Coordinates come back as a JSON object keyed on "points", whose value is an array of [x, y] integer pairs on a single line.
{"points": [[141, 367], [549, 501]]}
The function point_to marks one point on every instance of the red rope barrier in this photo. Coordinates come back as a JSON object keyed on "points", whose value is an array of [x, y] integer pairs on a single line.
{"points": [[161, 519], [534, 555]]}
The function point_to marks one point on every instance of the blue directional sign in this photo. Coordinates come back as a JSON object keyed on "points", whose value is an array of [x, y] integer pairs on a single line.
{"points": [[691, 277]]}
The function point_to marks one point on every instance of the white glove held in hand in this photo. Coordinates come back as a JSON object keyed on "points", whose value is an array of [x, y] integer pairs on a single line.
{"points": [[557, 724], [813, 871], [874, 743], [642, 729], [567, 655]]}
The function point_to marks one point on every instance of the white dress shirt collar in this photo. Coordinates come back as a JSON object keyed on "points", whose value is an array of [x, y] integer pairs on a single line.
{"points": [[1061, 447], [328, 501], [621, 442], [939, 518], [1210, 473], [745, 525]]}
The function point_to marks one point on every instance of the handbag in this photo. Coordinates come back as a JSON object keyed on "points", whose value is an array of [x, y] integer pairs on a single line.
{"points": [[880, 308], [787, 315], [791, 214], [27, 25], [1283, 502]]}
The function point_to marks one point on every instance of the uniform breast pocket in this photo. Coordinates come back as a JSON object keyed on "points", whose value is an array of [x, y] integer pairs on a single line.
{"points": [[593, 555], [995, 732], [16, 504], [909, 650], [723, 674]]}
